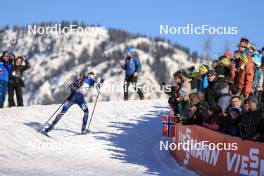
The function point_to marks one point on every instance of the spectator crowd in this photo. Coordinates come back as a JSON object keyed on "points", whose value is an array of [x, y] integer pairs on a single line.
{"points": [[226, 96]]}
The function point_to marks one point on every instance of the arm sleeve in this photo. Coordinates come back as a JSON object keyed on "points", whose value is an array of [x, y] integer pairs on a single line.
{"points": [[205, 82], [249, 79], [138, 65], [27, 66], [233, 71], [124, 66], [260, 83]]}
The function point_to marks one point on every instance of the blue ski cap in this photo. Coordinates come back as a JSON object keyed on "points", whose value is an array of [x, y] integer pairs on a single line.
{"points": [[90, 78], [128, 50], [90, 81]]}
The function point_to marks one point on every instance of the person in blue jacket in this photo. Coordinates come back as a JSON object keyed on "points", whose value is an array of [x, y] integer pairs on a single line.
{"points": [[4, 77], [133, 67], [80, 88], [204, 82]]}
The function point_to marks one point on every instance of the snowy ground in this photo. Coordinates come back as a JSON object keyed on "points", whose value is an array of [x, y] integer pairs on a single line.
{"points": [[124, 140]]}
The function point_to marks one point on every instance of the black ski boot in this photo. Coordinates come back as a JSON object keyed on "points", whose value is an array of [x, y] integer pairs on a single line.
{"points": [[49, 129], [84, 130]]}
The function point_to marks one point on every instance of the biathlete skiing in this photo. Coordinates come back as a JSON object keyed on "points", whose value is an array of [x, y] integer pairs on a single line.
{"points": [[79, 90]]}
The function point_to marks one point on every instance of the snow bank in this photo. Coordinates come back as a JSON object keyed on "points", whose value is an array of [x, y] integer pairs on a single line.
{"points": [[124, 140]]}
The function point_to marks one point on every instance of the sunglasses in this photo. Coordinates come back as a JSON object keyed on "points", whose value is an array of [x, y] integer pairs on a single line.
{"points": [[211, 75]]}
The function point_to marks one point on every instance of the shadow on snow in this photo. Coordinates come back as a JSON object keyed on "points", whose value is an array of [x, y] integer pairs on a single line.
{"points": [[138, 142]]}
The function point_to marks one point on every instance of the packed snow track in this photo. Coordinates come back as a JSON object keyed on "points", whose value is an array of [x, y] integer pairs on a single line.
{"points": [[124, 140]]}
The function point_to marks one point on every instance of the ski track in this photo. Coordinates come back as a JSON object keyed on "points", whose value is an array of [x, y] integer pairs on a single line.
{"points": [[124, 140]]}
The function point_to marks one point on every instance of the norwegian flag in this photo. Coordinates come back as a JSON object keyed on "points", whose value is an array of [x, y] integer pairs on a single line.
{"points": [[168, 125]]}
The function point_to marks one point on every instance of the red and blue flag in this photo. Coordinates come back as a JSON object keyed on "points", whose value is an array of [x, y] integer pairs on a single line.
{"points": [[168, 125]]}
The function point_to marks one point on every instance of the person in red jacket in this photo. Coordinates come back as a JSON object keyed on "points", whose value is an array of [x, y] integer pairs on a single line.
{"points": [[245, 72]]}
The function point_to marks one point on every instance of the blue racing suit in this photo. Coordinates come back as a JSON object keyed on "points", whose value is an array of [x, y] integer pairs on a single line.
{"points": [[77, 97]]}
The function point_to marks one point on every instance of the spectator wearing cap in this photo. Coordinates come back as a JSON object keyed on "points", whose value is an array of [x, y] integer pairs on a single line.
{"points": [[235, 64], [245, 74], [132, 67], [176, 106], [258, 75], [175, 83], [252, 120], [203, 70], [195, 81], [252, 47], [185, 89], [210, 91], [229, 54], [222, 69], [182, 101], [243, 44]]}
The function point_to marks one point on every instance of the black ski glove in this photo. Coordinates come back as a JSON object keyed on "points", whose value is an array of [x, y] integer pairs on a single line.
{"points": [[72, 88], [98, 86], [102, 80]]}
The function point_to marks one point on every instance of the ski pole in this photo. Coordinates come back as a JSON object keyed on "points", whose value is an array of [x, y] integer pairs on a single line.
{"points": [[52, 115], [94, 106]]}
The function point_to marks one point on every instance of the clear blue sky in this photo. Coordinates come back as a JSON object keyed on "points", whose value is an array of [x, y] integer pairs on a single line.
{"points": [[146, 16]]}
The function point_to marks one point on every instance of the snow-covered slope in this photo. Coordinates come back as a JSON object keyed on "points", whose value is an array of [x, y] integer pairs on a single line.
{"points": [[58, 59], [124, 140]]}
